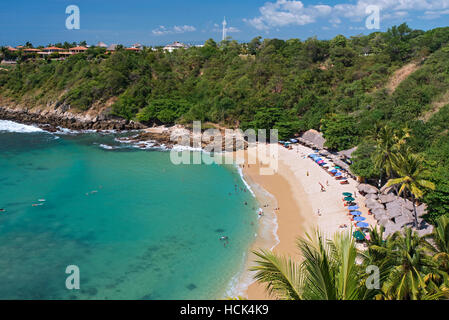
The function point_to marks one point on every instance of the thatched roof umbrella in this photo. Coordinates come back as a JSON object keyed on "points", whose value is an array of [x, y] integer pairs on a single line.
{"points": [[392, 228], [403, 220], [347, 153], [387, 198], [314, 137], [361, 187], [371, 189], [373, 204], [367, 188], [371, 196], [397, 208], [379, 213]]}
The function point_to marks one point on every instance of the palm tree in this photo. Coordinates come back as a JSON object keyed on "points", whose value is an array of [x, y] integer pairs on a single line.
{"points": [[438, 242], [413, 272], [386, 146], [328, 271], [412, 177], [378, 249]]}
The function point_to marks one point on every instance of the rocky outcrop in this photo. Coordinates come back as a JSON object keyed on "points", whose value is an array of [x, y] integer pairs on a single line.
{"points": [[50, 118]]}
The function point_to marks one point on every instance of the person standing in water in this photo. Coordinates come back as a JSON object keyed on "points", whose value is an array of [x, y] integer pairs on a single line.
{"points": [[225, 240]]}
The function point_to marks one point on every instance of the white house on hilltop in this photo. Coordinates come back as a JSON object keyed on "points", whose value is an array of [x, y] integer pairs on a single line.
{"points": [[174, 46]]}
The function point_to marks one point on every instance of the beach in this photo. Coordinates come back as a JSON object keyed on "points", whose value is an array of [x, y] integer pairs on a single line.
{"points": [[295, 189]]}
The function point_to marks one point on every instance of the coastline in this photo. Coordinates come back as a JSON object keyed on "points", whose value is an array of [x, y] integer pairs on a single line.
{"points": [[295, 190], [298, 196]]}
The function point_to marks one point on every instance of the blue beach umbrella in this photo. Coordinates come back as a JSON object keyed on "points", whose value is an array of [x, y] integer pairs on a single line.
{"points": [[338, 174], [353, 208], [355, 213], [362, 225], [333, 171], [359, 218]]}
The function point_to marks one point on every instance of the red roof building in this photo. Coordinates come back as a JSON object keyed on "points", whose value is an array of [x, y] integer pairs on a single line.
{"points": [[78, 49], [52, 49]]}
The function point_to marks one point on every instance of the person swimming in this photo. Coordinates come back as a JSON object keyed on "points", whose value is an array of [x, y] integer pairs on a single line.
{"points": [[225, 240], [2, 210]]}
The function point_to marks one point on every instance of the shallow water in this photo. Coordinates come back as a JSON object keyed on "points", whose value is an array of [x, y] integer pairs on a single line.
{"points": [[136, 225]]}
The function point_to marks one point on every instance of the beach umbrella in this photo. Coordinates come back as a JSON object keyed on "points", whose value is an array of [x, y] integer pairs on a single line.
{"points": [[347, 194], [333, 171], [320, 161], [359, 235], [355, 213], [349, 199], [362, 225], [338, 174], [353, 207], [359, 218]]}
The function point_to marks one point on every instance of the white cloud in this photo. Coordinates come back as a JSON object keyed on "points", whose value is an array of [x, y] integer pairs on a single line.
{"points": [[294, 12], [218, 28], [232, 30], [434, 14], [162, 30]]}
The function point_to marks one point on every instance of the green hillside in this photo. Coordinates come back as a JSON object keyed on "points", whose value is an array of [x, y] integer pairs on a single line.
{"points": [[338, 86]]}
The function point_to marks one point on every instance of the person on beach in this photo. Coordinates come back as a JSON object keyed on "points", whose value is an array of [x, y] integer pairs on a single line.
{"points": [[307, 173], [322, 187], [319, 213]]}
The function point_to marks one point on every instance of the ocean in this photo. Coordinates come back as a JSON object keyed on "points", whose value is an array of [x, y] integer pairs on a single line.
{"points": [[136, 225]]}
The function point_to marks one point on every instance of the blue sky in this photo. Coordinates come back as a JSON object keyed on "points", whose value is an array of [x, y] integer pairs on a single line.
{"points": [[152, 22]]}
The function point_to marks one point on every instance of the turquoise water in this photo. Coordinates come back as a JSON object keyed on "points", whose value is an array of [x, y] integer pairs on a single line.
{"points": [[149, 229]]}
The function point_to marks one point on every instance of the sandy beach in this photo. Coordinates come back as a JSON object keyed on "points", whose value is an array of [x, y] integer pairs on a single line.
{"points": [[296, 191]]}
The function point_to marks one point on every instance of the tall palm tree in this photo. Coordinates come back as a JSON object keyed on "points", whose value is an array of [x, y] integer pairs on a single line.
{"points": [[412, 177], [379, 249], [386, 145], [328, 271], [413, 271], [438, 242]]}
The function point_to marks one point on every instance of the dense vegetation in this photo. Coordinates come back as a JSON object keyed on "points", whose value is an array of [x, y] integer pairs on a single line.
{"points": [[337, 86], [409, 267]]}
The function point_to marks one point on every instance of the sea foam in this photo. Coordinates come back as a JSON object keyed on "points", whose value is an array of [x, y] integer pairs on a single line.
{"points": [[11, 126]]}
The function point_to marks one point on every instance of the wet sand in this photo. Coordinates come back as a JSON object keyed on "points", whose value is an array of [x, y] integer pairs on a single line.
{"points": [[296, 191]]}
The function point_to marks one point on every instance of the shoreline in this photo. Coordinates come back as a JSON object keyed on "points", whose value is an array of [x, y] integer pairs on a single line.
{"points": [[296, 192], [298, 197]]}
